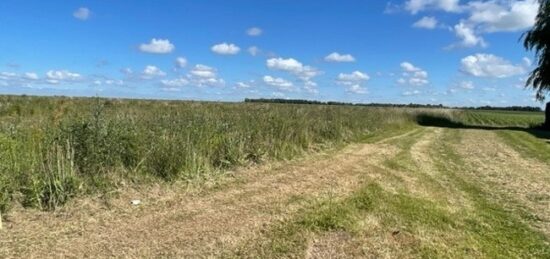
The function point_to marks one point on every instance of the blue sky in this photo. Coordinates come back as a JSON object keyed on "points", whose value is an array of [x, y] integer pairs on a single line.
{"points": [[461, 53]]}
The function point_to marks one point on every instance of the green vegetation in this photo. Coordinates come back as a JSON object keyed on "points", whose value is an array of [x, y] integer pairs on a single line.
{"points": [[55, 148], [430, 225], [502, 118], [422, 182]]}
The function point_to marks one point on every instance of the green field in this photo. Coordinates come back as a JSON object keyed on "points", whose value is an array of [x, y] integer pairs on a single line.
{"points": [[270, 180]]}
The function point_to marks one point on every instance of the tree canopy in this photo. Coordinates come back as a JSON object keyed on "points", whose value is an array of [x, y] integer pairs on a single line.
{"points": [[538, 39]]}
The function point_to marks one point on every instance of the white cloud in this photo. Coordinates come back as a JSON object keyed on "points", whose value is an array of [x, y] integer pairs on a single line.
{"points": [[203, 71], [114, 82], [466, 85], [202, 75], [152, 71], [415, 6], [294, 67], [353, 81], [413, 75], [488, 65], [62, 75], [493, 16], [289, 65], [82, 13], [175, 83], [6, 75], [31, 76], [337, 57], [355, 76], [52, 81], [467, 36], [181, 62], [157, 46], [410, 93], [279, 83], [427, 22], [408, 67], [311, 87], [358, 89], [254, 31], [481, 17], [226, 49], [242, 85], [254, 51]]}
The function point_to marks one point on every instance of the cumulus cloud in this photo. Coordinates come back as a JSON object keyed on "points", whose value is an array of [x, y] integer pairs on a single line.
{"points": [[202, 75], [175, 83], [337, 57], [82, 13], [33, 80], [254, 31], [412, 75], [415, 6], [353, 81], [289, 65], [181, 62], [358, 89], [203, 71], [493, 16], [152, 71], [242, 85], [293, 66], [296, 68], [311, 87], [466, 85], [278, 83], [427, 22], [480, 17], [157, 46], [410, 93], [353, 77], [62, 75], [31, 76], [226, 49], [467, 36], [488, 65]]}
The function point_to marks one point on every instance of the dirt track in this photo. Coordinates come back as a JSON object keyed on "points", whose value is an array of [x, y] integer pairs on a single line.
{"points": [[175, 223]]}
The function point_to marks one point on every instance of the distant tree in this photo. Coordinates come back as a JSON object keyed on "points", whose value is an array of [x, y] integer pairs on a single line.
{"points": [[538, 39]]}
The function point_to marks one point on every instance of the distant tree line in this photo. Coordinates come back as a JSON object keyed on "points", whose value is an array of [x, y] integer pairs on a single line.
{"points": [[507, 108], [410, 105]]}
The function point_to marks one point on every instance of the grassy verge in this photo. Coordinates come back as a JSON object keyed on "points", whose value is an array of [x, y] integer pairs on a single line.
{"points": [[53, 149]]}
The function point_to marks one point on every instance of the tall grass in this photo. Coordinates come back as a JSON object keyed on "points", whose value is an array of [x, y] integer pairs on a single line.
{"points": [[52, 149]]}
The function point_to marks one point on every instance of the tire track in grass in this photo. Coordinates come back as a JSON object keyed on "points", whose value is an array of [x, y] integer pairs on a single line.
{"points": [[395, 221], [492, 228], [509, 176]]}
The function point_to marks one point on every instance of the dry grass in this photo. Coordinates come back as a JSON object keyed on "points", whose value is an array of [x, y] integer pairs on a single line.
{"points": [[174, 223], [430, 192], [503, 172]]}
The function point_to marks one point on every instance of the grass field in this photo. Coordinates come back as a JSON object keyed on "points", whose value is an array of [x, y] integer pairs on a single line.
{"points": [[269, 180]]}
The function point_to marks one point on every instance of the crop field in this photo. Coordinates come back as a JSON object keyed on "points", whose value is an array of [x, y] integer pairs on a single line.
{"points": [[258, 180]]}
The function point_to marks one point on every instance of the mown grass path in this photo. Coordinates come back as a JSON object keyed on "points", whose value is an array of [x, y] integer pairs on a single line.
{"points": [[431, 192]]}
